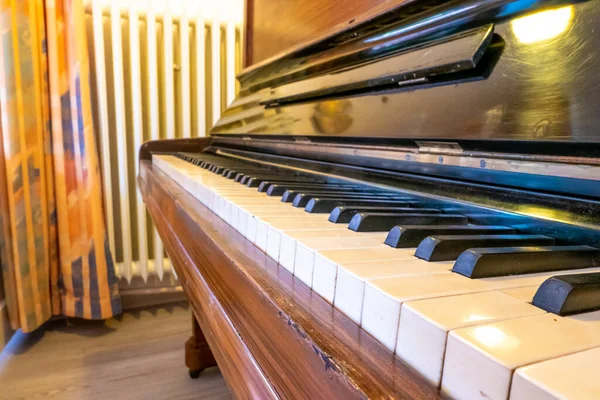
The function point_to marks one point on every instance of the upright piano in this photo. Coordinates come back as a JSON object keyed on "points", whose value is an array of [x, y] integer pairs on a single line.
{"points": [[405, 207]]}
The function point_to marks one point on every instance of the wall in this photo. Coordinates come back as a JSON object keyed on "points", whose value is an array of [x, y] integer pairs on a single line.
{"points": [[178, 89]]}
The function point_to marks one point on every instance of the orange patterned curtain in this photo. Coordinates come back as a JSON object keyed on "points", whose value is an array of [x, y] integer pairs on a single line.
{"points": [[53, 248]]}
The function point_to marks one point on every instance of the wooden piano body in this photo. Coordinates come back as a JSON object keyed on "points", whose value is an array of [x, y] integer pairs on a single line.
{"points": [[270, 335], [448, 99]]}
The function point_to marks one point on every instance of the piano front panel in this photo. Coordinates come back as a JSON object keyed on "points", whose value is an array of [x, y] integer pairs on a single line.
{"points": [[542, 87]]}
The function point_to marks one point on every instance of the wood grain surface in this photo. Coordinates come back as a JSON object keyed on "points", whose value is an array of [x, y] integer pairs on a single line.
{"points": [[235, 361], [195, 145], [270, 334], [136, 356], [276, 27]]}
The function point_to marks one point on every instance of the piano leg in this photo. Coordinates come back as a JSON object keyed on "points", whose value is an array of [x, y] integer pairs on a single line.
{"points": [[198, 355]]}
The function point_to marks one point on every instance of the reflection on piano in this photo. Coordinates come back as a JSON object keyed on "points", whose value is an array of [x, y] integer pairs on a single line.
{"points": [[408, 208]]}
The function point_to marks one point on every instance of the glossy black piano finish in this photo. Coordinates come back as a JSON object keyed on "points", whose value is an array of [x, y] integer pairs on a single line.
{"points": [[540, 84]]}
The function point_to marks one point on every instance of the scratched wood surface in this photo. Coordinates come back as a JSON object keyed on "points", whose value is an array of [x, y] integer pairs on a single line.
{"points": [[270, 334]]}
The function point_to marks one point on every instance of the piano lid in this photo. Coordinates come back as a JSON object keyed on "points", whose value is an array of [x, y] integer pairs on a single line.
{"points": [[459, 71]]}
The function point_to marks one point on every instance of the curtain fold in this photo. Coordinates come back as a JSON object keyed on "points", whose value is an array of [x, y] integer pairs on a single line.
{"points": [[53, 247]]}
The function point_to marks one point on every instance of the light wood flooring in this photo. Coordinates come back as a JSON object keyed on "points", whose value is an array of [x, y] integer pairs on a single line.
{"points": [[137, 356]]}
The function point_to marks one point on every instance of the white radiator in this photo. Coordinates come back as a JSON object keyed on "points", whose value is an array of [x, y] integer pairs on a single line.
{"points": [[160, 69]]}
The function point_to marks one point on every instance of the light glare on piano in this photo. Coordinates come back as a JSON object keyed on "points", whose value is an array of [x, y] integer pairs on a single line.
{"points": [[543, 25]]}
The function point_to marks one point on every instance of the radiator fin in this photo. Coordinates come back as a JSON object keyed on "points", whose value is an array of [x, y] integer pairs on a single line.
{"points": [[158, 73]]}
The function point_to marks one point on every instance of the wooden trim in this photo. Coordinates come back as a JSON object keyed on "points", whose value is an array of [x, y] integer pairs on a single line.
{"points": [[247, 35], [372, 13], [171, 145], [5, 330], [133, 299], [267, 330], [240, 369]]}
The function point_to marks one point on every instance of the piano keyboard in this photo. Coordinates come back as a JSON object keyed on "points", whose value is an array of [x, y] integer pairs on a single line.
{"points": [[462, 301]]}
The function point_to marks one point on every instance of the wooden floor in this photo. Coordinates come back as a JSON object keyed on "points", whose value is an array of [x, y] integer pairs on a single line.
{"points": [[138, 356]]}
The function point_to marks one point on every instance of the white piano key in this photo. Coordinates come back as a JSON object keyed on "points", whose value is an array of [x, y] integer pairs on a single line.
{"points": [[306, 249], [424, 325], [251, 228], [287, 251], [351, 279], [288, 240], [589, 319], [480, 360], [282, 242], [273, 243], [234, 216], [574, 376], [326, 264], [283, 223], [384, 297], [242, 221], [262, 229], [525, 293]]}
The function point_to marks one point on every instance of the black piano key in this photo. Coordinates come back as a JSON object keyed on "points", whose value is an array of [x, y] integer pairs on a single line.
{"points": [[366, 222], [569, 294], [497, 219], [211, 166], [406, 236], [444, 248], [231, 174], [290, 194], [343, 215], [244, 179], [302, 199], [247, 174], [277, 189], [502, 261], [340, 193], [306, 194], [264, 185], [238, 176], [255, 181], [326, 203], [320, 205], [264, 177]]}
